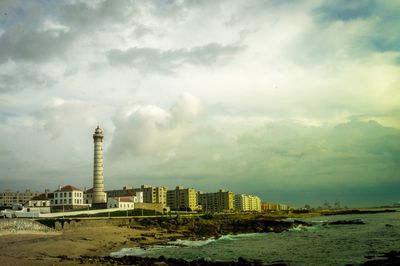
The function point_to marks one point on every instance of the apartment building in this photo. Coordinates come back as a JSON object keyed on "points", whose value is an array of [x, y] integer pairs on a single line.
{"points": [[154, 194], [267, 206], [124, 192], [246, 203], [182, 199], [217, 201], [8, 197]]}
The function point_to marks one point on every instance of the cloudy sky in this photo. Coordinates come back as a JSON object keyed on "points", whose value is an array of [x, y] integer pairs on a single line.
{"points": [[294, 101]]}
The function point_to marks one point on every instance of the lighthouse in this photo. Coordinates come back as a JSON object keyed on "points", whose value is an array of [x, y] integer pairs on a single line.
{"points": [[98, 180]]}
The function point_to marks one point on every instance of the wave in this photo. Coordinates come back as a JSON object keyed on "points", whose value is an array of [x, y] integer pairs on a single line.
{"points": [[301, 228], [128, 252], [199, 243], [239, 237], [138, 251], [191, 243]]}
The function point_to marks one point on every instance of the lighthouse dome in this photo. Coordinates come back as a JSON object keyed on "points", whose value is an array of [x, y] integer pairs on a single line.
{"points": [[98, 130]]}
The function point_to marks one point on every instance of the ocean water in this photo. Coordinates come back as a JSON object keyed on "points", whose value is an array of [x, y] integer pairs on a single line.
{"points": [[319, 244]]}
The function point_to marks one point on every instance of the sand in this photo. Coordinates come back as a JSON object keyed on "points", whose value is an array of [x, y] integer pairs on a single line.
{"points": [[86, 238]]}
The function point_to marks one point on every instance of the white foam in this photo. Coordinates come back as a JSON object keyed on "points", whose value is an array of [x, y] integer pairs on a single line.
{"points": [[138, 251], [128, 252], [190, 243]]}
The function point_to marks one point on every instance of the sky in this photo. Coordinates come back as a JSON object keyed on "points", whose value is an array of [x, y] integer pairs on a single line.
{"points": [[297, 102]]}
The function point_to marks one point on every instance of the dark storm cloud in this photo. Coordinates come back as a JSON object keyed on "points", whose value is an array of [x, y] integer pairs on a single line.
{"points": [[165, 61], [291, 159]]}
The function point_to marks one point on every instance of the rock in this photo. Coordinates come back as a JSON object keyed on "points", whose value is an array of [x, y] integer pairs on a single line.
{"points": [[389, 258], [340, 222]]}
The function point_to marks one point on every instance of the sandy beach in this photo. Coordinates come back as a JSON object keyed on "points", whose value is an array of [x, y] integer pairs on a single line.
{"points": [[83, 238]]}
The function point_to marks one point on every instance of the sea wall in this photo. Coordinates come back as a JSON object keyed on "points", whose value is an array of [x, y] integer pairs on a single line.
{"points": [[15, 226]]}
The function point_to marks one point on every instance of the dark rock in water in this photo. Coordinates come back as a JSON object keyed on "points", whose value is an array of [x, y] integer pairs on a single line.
{"points": [[389, 258], [357, 221], [144, 261]]}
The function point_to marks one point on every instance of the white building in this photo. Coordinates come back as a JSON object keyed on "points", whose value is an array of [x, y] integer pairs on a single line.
{"points": [[40, 203], [125, 202], [120, 203], [68, 197], [88, 196], [245, 202]]}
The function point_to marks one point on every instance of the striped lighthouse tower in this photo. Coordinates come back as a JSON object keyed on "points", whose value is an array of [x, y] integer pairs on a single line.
{"points": [[98, 180]]}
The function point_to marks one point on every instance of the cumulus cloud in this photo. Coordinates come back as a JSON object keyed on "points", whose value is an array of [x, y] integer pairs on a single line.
{"points": [[149, 129], [272, 79], [68, 115]]}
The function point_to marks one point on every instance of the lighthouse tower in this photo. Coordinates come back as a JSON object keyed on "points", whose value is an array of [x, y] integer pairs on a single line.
{"points": [[98, 180]]}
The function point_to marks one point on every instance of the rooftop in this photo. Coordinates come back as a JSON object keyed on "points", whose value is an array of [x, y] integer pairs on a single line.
{"points": [[43, 196], [68, 188]]}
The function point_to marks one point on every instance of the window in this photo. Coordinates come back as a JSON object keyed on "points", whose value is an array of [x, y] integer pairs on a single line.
{"points": [[70, 201], [55, 201], [70, 194], [65, 194]]}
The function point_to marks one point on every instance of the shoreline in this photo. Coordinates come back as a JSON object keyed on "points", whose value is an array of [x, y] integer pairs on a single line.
{"points": [[88, 241], [82, 240]]}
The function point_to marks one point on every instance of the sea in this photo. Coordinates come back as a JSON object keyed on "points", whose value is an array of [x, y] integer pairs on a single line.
{"points": [[319, 244]]}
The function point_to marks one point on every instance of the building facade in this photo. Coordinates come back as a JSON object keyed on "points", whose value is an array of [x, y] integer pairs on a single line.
{"points": [[121, 203], [182, 199], [8, 197], [217, 201], [247, 203], [268, 207], [40, 203], [125, 191], [154, 194], [68, 197]]}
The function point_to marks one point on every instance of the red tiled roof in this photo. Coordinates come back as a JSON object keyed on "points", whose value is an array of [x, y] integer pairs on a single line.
{"points": [[69, 188], [125, 199]]}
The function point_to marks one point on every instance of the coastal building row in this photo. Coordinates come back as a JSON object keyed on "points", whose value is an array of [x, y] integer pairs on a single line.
{"points": [[8, 197], [267, 207], [187, 199]]}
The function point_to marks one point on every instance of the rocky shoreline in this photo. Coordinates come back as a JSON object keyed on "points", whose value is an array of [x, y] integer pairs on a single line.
{"points": [[145, 261], [389, 258], [90, 241], [195, 228]]}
